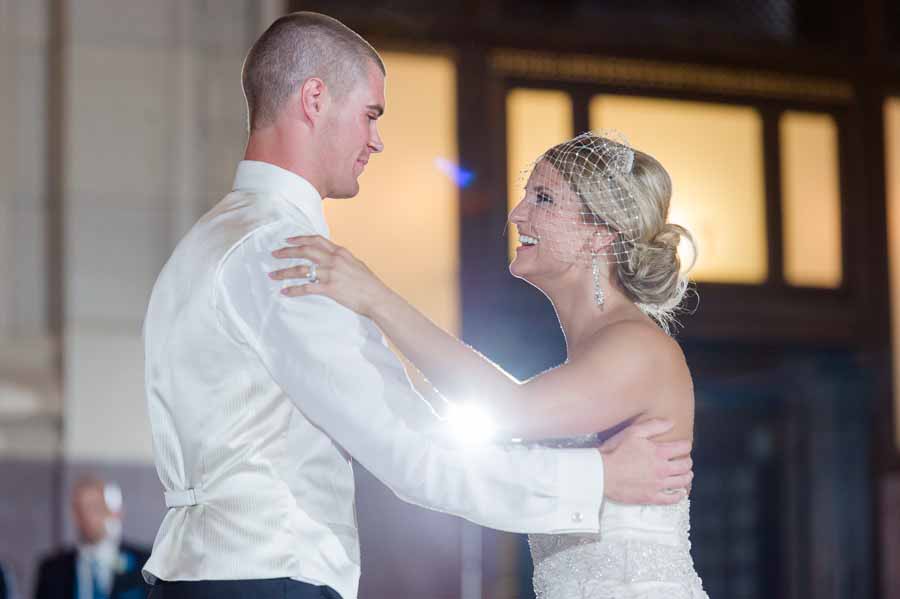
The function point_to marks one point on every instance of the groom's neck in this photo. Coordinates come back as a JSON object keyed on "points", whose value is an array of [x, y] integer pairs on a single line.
{"points": [[285, 149]]}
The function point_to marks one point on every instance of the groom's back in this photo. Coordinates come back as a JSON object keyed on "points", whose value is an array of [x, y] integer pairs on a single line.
{"points": [[222, 428], [194, 372]]}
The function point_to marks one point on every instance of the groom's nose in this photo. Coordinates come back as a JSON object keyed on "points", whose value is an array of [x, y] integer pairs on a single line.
{"points": [[375, 143]]}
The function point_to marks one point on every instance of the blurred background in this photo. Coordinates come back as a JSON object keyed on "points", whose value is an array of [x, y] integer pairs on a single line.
{"points": [[121, 122]]}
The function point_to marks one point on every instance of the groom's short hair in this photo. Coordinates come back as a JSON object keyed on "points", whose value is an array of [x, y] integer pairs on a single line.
{"points": [[294, 48]]}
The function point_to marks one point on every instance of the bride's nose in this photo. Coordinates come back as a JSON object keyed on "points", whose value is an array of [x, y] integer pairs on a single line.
{"points": [[521, 213]]}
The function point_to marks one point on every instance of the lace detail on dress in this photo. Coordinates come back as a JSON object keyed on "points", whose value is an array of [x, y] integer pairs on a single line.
{"points": [[641, 552]]}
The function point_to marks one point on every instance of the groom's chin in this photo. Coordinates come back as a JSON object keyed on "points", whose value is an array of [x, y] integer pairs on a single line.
{"points": [[350, 190]]}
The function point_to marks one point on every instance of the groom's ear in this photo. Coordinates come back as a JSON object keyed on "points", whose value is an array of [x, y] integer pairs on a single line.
{"points": [[313, 99]]}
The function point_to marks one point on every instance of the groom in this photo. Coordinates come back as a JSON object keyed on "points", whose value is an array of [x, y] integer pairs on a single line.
{"points": [[258, 403]]}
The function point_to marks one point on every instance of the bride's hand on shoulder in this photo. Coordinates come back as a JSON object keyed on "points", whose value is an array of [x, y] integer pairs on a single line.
{"points": [[332, 271]]}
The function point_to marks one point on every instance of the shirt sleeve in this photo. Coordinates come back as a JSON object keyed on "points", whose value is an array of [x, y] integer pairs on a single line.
{"points": [[338, 371]]}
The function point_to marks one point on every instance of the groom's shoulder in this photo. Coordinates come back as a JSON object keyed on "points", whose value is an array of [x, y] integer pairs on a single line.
{"points": [[242, 215], [243, 211]]}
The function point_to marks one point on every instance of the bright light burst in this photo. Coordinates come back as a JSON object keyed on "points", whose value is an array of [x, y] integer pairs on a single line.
{"points": [[470, 424]]}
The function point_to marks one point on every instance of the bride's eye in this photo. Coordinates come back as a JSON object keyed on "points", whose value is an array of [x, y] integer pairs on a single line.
{"points": [[543, 196]]}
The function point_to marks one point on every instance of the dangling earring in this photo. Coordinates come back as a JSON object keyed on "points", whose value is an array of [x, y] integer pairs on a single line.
{"points": [[599, 296]]}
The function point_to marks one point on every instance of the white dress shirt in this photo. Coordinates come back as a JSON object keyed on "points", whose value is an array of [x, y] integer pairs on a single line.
{"points": [[258, 401]]}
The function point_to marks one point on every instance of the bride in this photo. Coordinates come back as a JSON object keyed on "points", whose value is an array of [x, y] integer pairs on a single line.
{"points": [[594, 239]]}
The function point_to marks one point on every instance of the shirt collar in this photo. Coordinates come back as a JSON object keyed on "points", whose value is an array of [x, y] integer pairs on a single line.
{"points": [[258, 176]]}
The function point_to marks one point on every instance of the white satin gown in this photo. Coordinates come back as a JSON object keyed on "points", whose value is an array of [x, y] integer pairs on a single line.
{"points": [[641, 552]]}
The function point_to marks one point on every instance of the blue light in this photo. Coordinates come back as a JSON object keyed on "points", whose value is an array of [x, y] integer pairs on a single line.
{"points": [[462, 177]]}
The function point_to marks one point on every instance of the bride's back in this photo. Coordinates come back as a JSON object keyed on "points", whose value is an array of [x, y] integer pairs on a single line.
{"points": [[641, 551], [668, 394], [673, 398]]}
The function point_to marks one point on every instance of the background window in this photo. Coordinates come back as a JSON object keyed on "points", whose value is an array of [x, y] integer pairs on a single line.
{"points": [[892, 167], [536, 120], [405, 221], [715, 158], [810, 200]]}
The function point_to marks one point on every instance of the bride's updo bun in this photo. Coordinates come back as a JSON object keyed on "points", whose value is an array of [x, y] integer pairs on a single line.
{"points": [[652, 273]]}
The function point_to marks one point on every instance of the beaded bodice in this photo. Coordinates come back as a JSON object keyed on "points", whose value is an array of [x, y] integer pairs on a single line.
{"points": [[641, 552]]}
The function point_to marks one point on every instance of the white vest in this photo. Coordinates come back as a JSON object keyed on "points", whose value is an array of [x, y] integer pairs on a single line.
{"points": [[254, 488]]}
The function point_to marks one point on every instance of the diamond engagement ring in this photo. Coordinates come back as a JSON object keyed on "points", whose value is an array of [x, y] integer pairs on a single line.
{"points": [[313, 275]]}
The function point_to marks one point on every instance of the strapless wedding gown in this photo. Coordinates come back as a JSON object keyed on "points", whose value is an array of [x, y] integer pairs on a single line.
{"points": [[641, 552]]}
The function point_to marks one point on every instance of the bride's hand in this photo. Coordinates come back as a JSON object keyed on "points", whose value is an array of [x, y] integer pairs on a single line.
{"points": [[338, 274]]}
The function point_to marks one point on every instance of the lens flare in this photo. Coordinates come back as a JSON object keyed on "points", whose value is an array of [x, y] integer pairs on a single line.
{"points": [[470, 424], [462, 177]]}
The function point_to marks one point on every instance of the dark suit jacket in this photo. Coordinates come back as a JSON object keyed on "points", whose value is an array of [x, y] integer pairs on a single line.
{"points": [[5, 585], [56, 575]]}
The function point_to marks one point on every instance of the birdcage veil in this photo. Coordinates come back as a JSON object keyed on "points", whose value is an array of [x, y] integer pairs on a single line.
{"points": [[581, 189]]}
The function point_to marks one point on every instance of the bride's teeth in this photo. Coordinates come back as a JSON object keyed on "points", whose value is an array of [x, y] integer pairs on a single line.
{"points": [[526, 240]]}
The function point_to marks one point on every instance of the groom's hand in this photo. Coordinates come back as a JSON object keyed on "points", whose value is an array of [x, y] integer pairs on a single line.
{"points": [[640, 470]]}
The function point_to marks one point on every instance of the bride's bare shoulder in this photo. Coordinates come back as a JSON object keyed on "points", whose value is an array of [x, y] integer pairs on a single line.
{"points": [[637, 350], [638, 335]]}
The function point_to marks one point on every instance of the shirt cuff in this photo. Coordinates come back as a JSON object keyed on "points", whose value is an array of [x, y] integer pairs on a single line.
{"points": [[580, 489]]}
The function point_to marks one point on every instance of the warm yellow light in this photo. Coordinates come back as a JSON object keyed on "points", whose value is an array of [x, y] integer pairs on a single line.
{"points": [[810, 200], [714, 156], [405, 221], [536, 120], [892, 139]]}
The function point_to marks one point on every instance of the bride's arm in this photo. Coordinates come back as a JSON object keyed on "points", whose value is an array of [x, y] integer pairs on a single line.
{"points": [[457, 370], [604, 386], [594, 391]]}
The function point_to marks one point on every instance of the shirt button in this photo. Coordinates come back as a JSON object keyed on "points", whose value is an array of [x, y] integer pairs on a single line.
{"points": [[577, 517]]}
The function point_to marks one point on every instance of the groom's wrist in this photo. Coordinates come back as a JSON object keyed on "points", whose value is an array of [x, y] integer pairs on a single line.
{"points": [[581, 484]]}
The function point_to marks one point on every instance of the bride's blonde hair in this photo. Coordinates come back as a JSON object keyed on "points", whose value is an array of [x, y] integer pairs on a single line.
{"points": [[648, 267]]}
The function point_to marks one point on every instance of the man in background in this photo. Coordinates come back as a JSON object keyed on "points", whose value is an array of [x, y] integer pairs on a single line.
{"points": [[101, 566], [6, 586]]}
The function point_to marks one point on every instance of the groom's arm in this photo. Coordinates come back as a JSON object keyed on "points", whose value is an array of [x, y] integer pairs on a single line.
{"points": [[337, 370]]}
